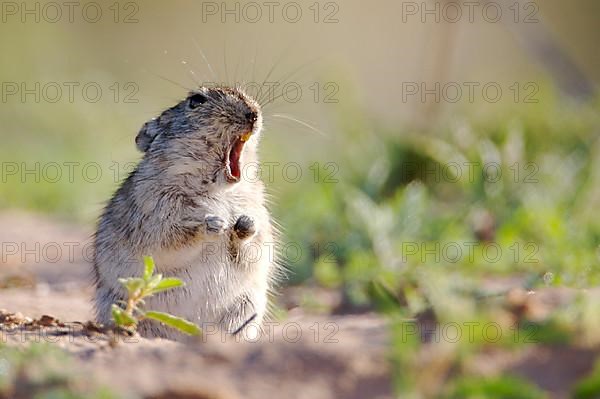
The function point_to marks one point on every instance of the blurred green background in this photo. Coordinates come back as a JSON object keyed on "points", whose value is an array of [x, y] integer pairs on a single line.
{"points": [[378, 211]]}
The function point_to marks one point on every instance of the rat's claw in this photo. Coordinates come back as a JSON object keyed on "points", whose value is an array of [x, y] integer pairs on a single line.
{"points": [[214, 224], [244, 227]]}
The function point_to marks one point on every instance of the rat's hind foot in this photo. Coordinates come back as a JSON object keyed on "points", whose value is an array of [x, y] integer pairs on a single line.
{"points": [[243, 318]]}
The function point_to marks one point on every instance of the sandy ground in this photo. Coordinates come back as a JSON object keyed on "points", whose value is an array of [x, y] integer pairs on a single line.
{"points": [[44, 270], [348, 364]]}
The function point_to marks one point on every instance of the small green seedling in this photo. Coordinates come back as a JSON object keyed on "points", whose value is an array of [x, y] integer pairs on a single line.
{"points": [[127, 314]]}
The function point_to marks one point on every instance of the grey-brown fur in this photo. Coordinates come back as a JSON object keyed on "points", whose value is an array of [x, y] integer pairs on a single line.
{"points": [[179, 207]]}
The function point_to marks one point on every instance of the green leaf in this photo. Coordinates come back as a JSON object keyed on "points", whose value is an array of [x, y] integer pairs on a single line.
{"points": [[148, 267], [129, 321], [166, 284], [175, 322], [117, 315], [133, 285], [121, 318], [494, 388], [153, 282]]}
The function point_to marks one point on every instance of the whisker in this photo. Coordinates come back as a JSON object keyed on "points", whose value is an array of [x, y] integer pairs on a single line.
{"points": [[196, 78], [225, 61], [191, 74], [275, 65], [286, 79], [235, 71], [214, 75], [277, 97], [254, 63], [300, 122], [187, 89]]}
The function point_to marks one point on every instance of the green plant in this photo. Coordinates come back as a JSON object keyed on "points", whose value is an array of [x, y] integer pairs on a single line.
{"points": [[128, 313], [43, 371], [589, 386], [503, 387]]}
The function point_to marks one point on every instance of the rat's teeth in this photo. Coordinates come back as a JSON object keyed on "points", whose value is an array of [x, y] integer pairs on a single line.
{"points": [[245, 137]]}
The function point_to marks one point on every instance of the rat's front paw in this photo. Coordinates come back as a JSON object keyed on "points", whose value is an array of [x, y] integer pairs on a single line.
{"points": [[244, 227], [214, 224]]}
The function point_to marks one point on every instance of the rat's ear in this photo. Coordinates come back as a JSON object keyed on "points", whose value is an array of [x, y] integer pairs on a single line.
{"points": [[146, 135]]}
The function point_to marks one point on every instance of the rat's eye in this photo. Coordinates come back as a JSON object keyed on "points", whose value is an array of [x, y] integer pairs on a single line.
{"points": [[196, 99]]}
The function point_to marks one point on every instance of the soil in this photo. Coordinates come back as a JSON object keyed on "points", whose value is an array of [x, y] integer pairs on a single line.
{"points": [[45, 297]]}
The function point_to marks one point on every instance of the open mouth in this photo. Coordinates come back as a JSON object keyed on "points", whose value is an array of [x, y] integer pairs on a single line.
{"points": [[233, 171]]}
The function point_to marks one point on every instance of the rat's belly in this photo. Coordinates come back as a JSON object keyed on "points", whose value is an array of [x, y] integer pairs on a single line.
{"points": [[213, 281], [212, 251]]}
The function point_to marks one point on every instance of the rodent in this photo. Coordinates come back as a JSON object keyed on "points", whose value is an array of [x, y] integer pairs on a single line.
{"points": [[188, 206]]}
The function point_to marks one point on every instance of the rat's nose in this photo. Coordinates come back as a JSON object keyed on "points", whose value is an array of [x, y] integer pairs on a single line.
{"points": [[251, 116]]}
